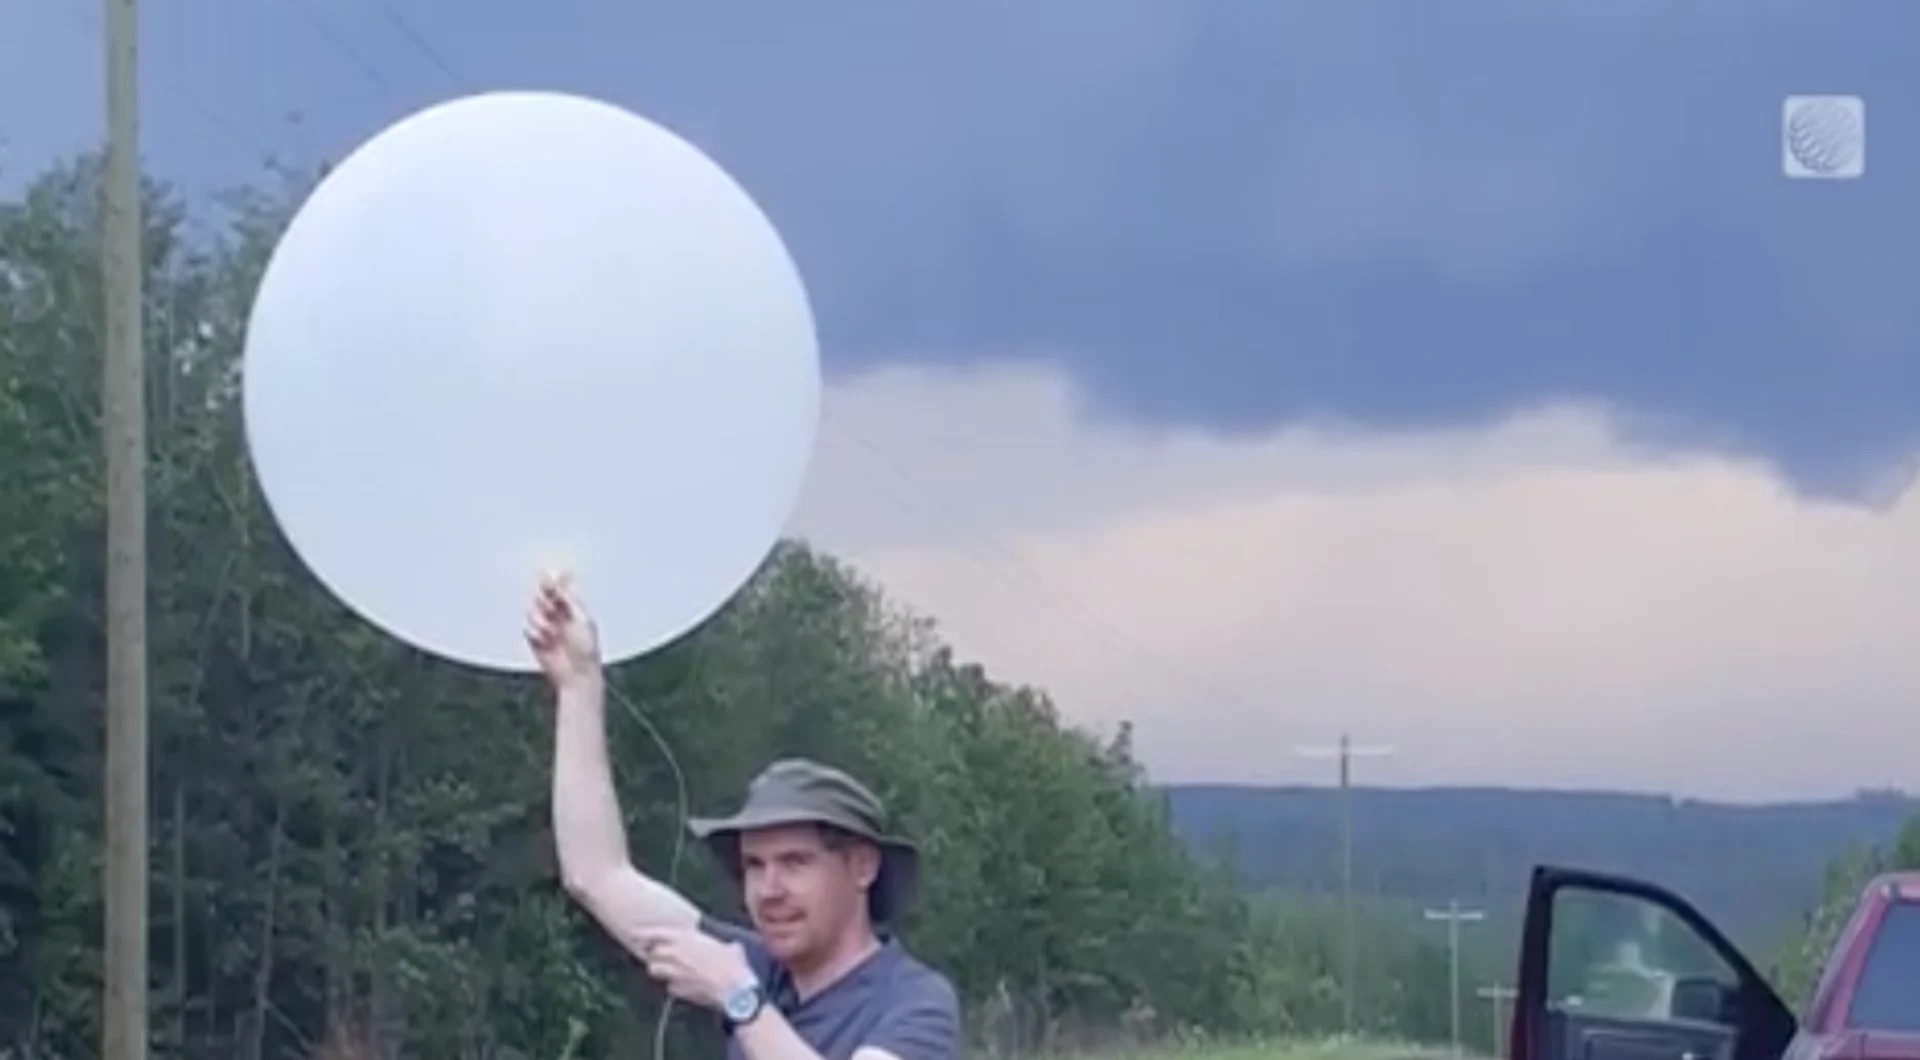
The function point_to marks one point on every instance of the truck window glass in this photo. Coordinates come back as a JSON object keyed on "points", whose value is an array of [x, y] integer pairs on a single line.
{"points": [[1618, 956], [1887, 997]]}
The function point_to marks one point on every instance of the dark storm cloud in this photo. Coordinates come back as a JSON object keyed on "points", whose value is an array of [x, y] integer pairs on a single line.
{"points": [[1412, 214], [1235, 213]]}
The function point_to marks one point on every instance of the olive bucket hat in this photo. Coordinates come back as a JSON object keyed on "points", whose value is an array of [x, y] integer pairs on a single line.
{"points": [[795, 791]]}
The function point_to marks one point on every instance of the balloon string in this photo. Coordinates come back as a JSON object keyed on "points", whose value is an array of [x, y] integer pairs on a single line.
{"points": [[682, 810]]}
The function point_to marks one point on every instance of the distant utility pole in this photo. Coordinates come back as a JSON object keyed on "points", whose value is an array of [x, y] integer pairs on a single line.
{"points": [[123, 418], [1455, 916], [1499, 995], [1346, 752]]}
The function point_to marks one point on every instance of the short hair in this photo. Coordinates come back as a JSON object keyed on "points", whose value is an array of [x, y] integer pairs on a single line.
{"points": [[839, 840]]}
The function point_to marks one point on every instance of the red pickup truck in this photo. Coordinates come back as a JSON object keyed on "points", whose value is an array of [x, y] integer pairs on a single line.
{"points": [[1613, 968]]}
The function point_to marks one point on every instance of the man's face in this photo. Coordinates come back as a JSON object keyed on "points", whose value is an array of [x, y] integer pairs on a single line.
{"points": [[803, 892]]}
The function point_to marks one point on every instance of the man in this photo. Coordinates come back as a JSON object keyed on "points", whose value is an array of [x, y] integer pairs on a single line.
{"points": [[817, 977]]}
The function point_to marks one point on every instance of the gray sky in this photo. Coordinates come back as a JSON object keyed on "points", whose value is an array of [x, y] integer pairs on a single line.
{"points": [[1467, 375]]}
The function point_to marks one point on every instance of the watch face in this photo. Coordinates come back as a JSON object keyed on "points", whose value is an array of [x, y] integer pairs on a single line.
{"points": [[743, 1004]]}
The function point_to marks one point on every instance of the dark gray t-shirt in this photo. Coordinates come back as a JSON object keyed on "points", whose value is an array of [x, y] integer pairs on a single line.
{"points": [[889, 1001]]}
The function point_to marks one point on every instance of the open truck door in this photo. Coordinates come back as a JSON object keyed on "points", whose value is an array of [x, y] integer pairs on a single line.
{"points": [[1619, 969]]}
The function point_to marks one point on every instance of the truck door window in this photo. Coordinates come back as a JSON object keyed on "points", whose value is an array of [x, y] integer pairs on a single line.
{"points": [[1619, 957], [1887, 996]]}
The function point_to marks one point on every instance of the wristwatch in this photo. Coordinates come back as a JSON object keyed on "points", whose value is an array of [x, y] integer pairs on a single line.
{"points": [[743, 1005]]}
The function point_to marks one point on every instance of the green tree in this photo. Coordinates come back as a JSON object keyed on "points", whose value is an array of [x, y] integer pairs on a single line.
{"points": [[1800, 960]]}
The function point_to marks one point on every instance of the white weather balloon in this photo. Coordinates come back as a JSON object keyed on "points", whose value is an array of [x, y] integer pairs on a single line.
{"points": [[521, 332]]}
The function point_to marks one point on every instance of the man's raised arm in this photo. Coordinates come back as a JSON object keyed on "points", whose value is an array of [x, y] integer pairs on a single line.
{"points": [[588, 832]]}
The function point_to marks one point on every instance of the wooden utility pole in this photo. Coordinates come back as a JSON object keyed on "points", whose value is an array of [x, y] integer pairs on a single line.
{"points": [[124, 441], [1499, 995], [1346, 752], [1455, 916]]}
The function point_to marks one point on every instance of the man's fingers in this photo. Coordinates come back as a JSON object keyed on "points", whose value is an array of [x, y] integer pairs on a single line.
{"points": [[571, 609], [668, 969], [556, 595], [551, 600]]}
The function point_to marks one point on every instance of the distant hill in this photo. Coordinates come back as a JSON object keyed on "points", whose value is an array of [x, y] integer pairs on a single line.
{"points": [[1752, 868]]}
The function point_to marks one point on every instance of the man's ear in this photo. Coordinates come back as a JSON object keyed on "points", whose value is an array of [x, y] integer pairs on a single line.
{"points": [[866, 863]]}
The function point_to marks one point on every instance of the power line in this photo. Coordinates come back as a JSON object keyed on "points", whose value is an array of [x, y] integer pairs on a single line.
{"points": [[342, 45], [1454, 916], [419, 41], [181, 90], [1345, 752]]}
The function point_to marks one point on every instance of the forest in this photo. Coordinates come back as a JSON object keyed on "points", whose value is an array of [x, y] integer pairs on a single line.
{"points": [[350, 854], [1752, 868]]}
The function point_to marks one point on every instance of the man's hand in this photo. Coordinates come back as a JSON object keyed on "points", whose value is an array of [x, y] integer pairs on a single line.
{"points": [[693, 965], [562, 636]]}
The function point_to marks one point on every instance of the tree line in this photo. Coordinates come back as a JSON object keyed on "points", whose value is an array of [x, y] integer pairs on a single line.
{"points": [[1754, 869], [350, 854]]}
